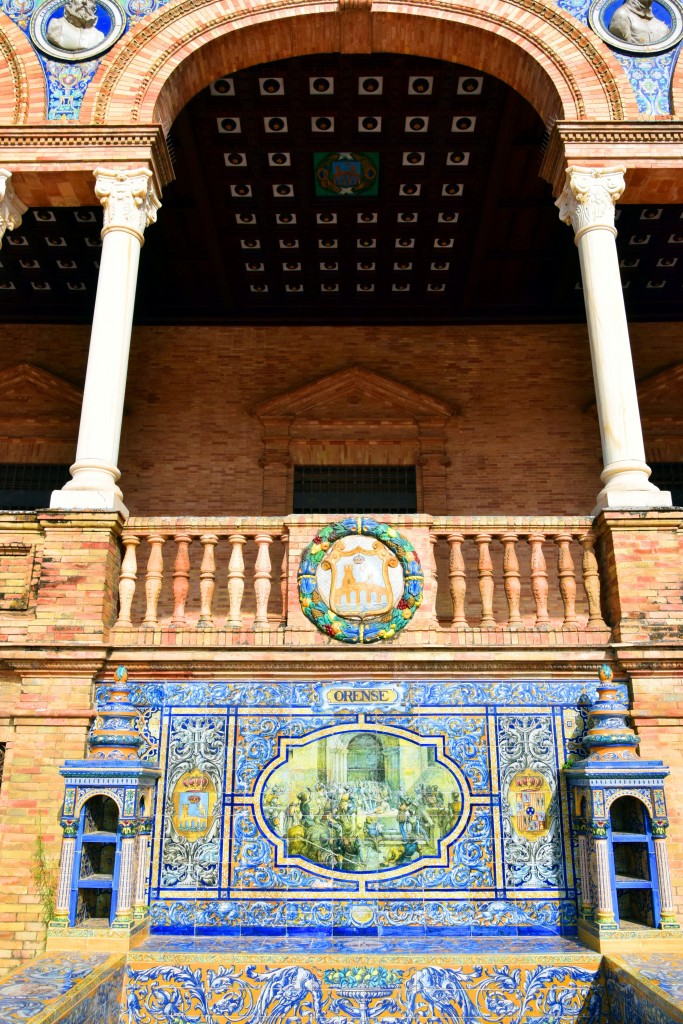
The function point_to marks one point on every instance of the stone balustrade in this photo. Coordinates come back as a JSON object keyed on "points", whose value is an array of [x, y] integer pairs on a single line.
{"points": [[517, 573], [484, 577], [183, 573]]}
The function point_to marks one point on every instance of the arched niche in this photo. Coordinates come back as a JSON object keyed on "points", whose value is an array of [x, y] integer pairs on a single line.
{"points": [[96, 862], [633, 863]]}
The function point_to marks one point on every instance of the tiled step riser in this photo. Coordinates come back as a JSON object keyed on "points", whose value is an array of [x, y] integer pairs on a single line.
{"points": [[344, 989]]}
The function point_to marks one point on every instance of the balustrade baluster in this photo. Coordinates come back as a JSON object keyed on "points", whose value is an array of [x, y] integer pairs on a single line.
{"points": [[207, 580], [457, 579], [235, 581], [565, 571], [127, 580], [511, 578], [486, 584], [539, 577], [153, 580], [283, 576], [181, 578], [591, 581], [262, 580]]}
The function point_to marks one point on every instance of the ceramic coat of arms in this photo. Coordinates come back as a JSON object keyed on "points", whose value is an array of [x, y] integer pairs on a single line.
{"points": [[360, 581]]}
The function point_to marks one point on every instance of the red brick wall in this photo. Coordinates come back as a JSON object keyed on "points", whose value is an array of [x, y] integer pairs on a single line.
{"points": [[658, 717], [525, 440]]}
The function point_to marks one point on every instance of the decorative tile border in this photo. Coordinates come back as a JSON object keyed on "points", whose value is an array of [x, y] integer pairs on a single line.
{"points": [[339, 987]]}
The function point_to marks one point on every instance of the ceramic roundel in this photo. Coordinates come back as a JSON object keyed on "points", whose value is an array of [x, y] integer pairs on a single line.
{"points": [[643, 27], [77, 30], [360, 581]]}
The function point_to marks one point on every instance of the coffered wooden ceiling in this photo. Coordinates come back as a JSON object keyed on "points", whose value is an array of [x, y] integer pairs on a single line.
{"points": [[457, 226]]}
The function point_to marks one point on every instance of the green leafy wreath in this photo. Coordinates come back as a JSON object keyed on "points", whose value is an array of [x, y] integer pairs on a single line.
{"points": [[354, 631]]}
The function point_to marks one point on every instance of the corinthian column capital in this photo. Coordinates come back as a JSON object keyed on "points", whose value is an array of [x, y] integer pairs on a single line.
{"points": [[129, 200], [589, 196], [11, 207]]}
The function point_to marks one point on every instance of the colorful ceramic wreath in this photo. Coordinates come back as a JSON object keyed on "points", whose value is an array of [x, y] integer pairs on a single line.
{"points": [[352, 630]]}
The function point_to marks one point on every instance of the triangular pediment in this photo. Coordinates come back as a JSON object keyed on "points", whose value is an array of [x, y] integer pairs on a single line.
{"points": [[31, 386], [37, 406], [355, 394]]}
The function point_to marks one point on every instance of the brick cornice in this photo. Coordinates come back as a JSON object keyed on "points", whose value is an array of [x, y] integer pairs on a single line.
{"points": [[36, 154], [655, 147]]}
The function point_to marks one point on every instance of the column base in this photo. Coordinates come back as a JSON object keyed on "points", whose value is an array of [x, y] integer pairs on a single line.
{"points": [[629, 940], [97, 937], [94, 485], [627, 485], [88, 500], [612, 498]]}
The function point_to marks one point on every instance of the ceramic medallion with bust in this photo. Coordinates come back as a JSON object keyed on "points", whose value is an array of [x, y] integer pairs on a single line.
{"points": [[76, 30], [638, 26]]}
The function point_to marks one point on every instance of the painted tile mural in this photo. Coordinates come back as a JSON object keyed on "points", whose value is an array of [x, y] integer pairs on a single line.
{"points": [[356, 806], [322, 990]]}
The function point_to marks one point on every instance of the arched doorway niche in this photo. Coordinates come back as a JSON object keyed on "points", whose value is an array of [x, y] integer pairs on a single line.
{"points": [[559, 66]]}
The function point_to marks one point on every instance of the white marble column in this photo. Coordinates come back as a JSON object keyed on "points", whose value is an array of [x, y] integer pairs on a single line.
{"points": [[587, 203], [130, 205], [11, 207]]}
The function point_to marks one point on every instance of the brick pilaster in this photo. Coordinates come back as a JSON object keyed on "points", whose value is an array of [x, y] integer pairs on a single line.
{"points": [[46, 724]]}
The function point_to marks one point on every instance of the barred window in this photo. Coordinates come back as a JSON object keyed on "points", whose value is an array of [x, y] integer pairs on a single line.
{"points": [[27, 486], [668, 476], [338, 489]]}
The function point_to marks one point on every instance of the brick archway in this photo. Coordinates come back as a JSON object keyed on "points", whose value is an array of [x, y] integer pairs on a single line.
{"points": [[22, 80], [560, 67], [677, 88]]}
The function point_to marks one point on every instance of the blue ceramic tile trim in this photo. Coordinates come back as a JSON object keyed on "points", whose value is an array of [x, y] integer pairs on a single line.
{"points": [[432, 693], [351, 946], [664, 970]]}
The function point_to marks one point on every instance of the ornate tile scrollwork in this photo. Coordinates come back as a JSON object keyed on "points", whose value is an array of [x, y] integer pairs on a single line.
{"points": [[527, 748], [279, 810], [197, 743], [328, 989]]}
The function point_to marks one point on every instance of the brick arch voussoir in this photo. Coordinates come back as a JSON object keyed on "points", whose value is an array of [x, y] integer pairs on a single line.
{"points": [[22, 81], [538, 49]]}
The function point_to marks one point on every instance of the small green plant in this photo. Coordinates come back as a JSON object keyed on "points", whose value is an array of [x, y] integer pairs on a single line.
{"points": [[44, 872]]}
